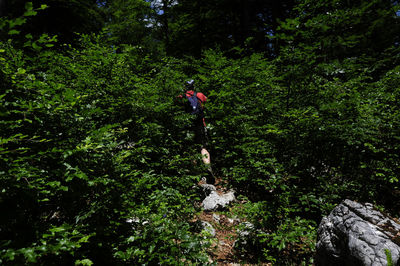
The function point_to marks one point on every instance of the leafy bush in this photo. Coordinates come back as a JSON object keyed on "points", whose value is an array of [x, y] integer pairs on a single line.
{"points": [[87, 143], [98, 165]]}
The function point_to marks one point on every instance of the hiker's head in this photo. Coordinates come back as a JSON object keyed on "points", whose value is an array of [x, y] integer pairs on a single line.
{"points": [[189, 84]]}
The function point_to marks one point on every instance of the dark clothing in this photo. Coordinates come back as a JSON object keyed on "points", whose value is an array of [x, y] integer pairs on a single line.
{"points": [[200, 132]]}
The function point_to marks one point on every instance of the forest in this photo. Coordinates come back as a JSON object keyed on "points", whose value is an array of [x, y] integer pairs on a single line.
{"points": [[302, 113]]}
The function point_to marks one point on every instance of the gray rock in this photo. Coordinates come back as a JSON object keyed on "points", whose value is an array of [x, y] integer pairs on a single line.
{"points": [[246, 236], [214, 201], [216, 218], [135, 220], [204, 190], [247, 229], [208, 228], [207, 188], [234, 220], [356, 234]]}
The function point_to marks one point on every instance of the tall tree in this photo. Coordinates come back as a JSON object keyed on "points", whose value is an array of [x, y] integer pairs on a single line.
{"points": [[62, 17], [342, 30], [189, 27], [129, 21], [336, 39], [332, 54]]}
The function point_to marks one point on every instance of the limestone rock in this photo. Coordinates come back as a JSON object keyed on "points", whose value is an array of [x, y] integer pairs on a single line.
{"points": [[216, 218], [214, 201], [207, 188], [208, 228], [357, 234], [247, 229]]}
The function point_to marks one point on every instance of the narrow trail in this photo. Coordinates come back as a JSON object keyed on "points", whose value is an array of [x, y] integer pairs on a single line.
{"points": [[222, 225], [222, 251]]}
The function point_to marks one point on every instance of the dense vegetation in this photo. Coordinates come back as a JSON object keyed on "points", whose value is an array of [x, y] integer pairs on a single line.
{"points": [[97, 162]]}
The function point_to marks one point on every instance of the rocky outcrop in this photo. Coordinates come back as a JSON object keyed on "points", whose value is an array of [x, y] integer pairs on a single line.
{"points": [[214, 200], [357, 234]]}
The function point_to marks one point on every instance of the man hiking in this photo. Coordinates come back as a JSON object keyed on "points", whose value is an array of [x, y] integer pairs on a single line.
{"points": [[194, 104]]}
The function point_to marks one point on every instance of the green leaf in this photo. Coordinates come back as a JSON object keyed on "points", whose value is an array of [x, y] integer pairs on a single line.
{"points": [[13, 32], [17, 22], [151, 249], [28, 44], [84, 262], [28, 6], [21, 71], [36, 47], [30, 13], [29, 254]]}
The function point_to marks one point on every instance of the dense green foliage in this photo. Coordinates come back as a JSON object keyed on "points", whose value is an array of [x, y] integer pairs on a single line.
{"points": [[61, 17], [97, 163]]}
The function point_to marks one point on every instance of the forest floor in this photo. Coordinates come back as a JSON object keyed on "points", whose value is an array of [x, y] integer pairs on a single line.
{"points": [[226, 226]]}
